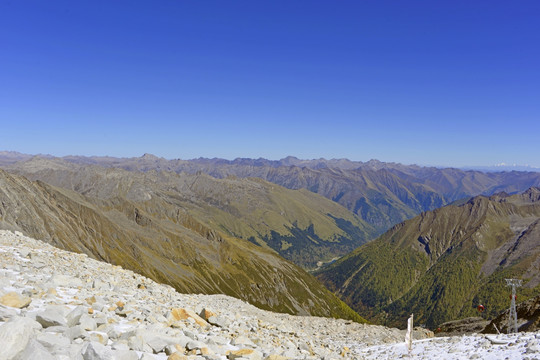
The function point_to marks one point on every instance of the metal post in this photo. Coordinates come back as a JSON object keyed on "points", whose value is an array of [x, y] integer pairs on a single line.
{"points": [[512, 316]]}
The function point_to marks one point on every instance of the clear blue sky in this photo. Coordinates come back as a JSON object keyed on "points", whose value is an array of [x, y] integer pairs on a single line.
{"points": [[429, 82]]}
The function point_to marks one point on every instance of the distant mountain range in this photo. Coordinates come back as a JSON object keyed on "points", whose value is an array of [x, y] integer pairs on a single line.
{"points": [[442, 264], [503, 167], [218, 226], [381, 194]]}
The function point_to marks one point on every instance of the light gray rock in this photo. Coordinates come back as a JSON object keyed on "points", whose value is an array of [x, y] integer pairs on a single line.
{"points": [[97, 351], [120, 345], [51, 317], [98, 284], [114, 334], [532, 349], [65, 281], [98, 306], [219, 321], [4, 283], [125, 355], [217, 340], [24, 253], [73, 318], [76, 332], [99, 337], [53, 341], [56, 329], [195, 345], [243, 341], [35, 350], [6, 313], [87, 323], [14, 336], [170, 349], [101, 319], [147, 356], [137, 343], [158, 342]]}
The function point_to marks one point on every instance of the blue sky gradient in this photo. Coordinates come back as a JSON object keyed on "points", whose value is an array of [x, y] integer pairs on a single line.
{"points": [[449, 83]]}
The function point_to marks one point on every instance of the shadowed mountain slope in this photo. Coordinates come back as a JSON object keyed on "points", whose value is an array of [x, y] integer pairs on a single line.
{"points": [[442, 264], [123, 223]]}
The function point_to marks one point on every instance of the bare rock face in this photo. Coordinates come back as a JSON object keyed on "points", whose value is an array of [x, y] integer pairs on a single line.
{"points": [[463, 326], [528, 314]]}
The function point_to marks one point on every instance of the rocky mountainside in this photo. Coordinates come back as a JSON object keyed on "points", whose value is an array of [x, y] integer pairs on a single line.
{"points": [[381, 194], [443, 264], [301, 226], [60, 305], [126, 223]]}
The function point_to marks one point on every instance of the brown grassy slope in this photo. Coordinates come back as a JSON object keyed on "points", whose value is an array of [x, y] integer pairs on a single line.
{"points": [[176, 250], [299, 225]]}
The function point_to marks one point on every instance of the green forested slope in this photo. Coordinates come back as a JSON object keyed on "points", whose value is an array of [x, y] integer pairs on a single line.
{"points": [[442, 264]]}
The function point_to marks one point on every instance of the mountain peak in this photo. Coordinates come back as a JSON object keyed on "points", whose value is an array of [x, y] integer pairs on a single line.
{"points": [[148, 156]]}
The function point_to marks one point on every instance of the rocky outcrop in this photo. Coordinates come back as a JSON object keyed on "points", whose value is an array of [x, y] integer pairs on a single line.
{"points": [[528, 315], [468, 325]]}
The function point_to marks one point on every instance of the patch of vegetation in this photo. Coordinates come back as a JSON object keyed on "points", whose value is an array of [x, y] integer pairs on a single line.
{"points": [[305, 247]]}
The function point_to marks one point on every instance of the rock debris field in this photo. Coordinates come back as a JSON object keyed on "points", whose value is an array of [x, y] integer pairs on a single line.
{"points": [[60, 305]]}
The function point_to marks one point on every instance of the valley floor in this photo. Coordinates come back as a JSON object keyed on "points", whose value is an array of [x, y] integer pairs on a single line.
{"points": [[60, 305]]}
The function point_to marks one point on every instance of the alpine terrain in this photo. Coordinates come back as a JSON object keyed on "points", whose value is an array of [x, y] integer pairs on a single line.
{"points": [[56, 304], [442, 264], [124, 222]]}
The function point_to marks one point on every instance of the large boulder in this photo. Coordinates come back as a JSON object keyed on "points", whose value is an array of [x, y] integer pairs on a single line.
{"points": [[14, 336], [16, 300], [35, 350]]}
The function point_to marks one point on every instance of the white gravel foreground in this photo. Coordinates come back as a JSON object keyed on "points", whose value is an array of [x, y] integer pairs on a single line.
{"points": [[67, 306]]}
